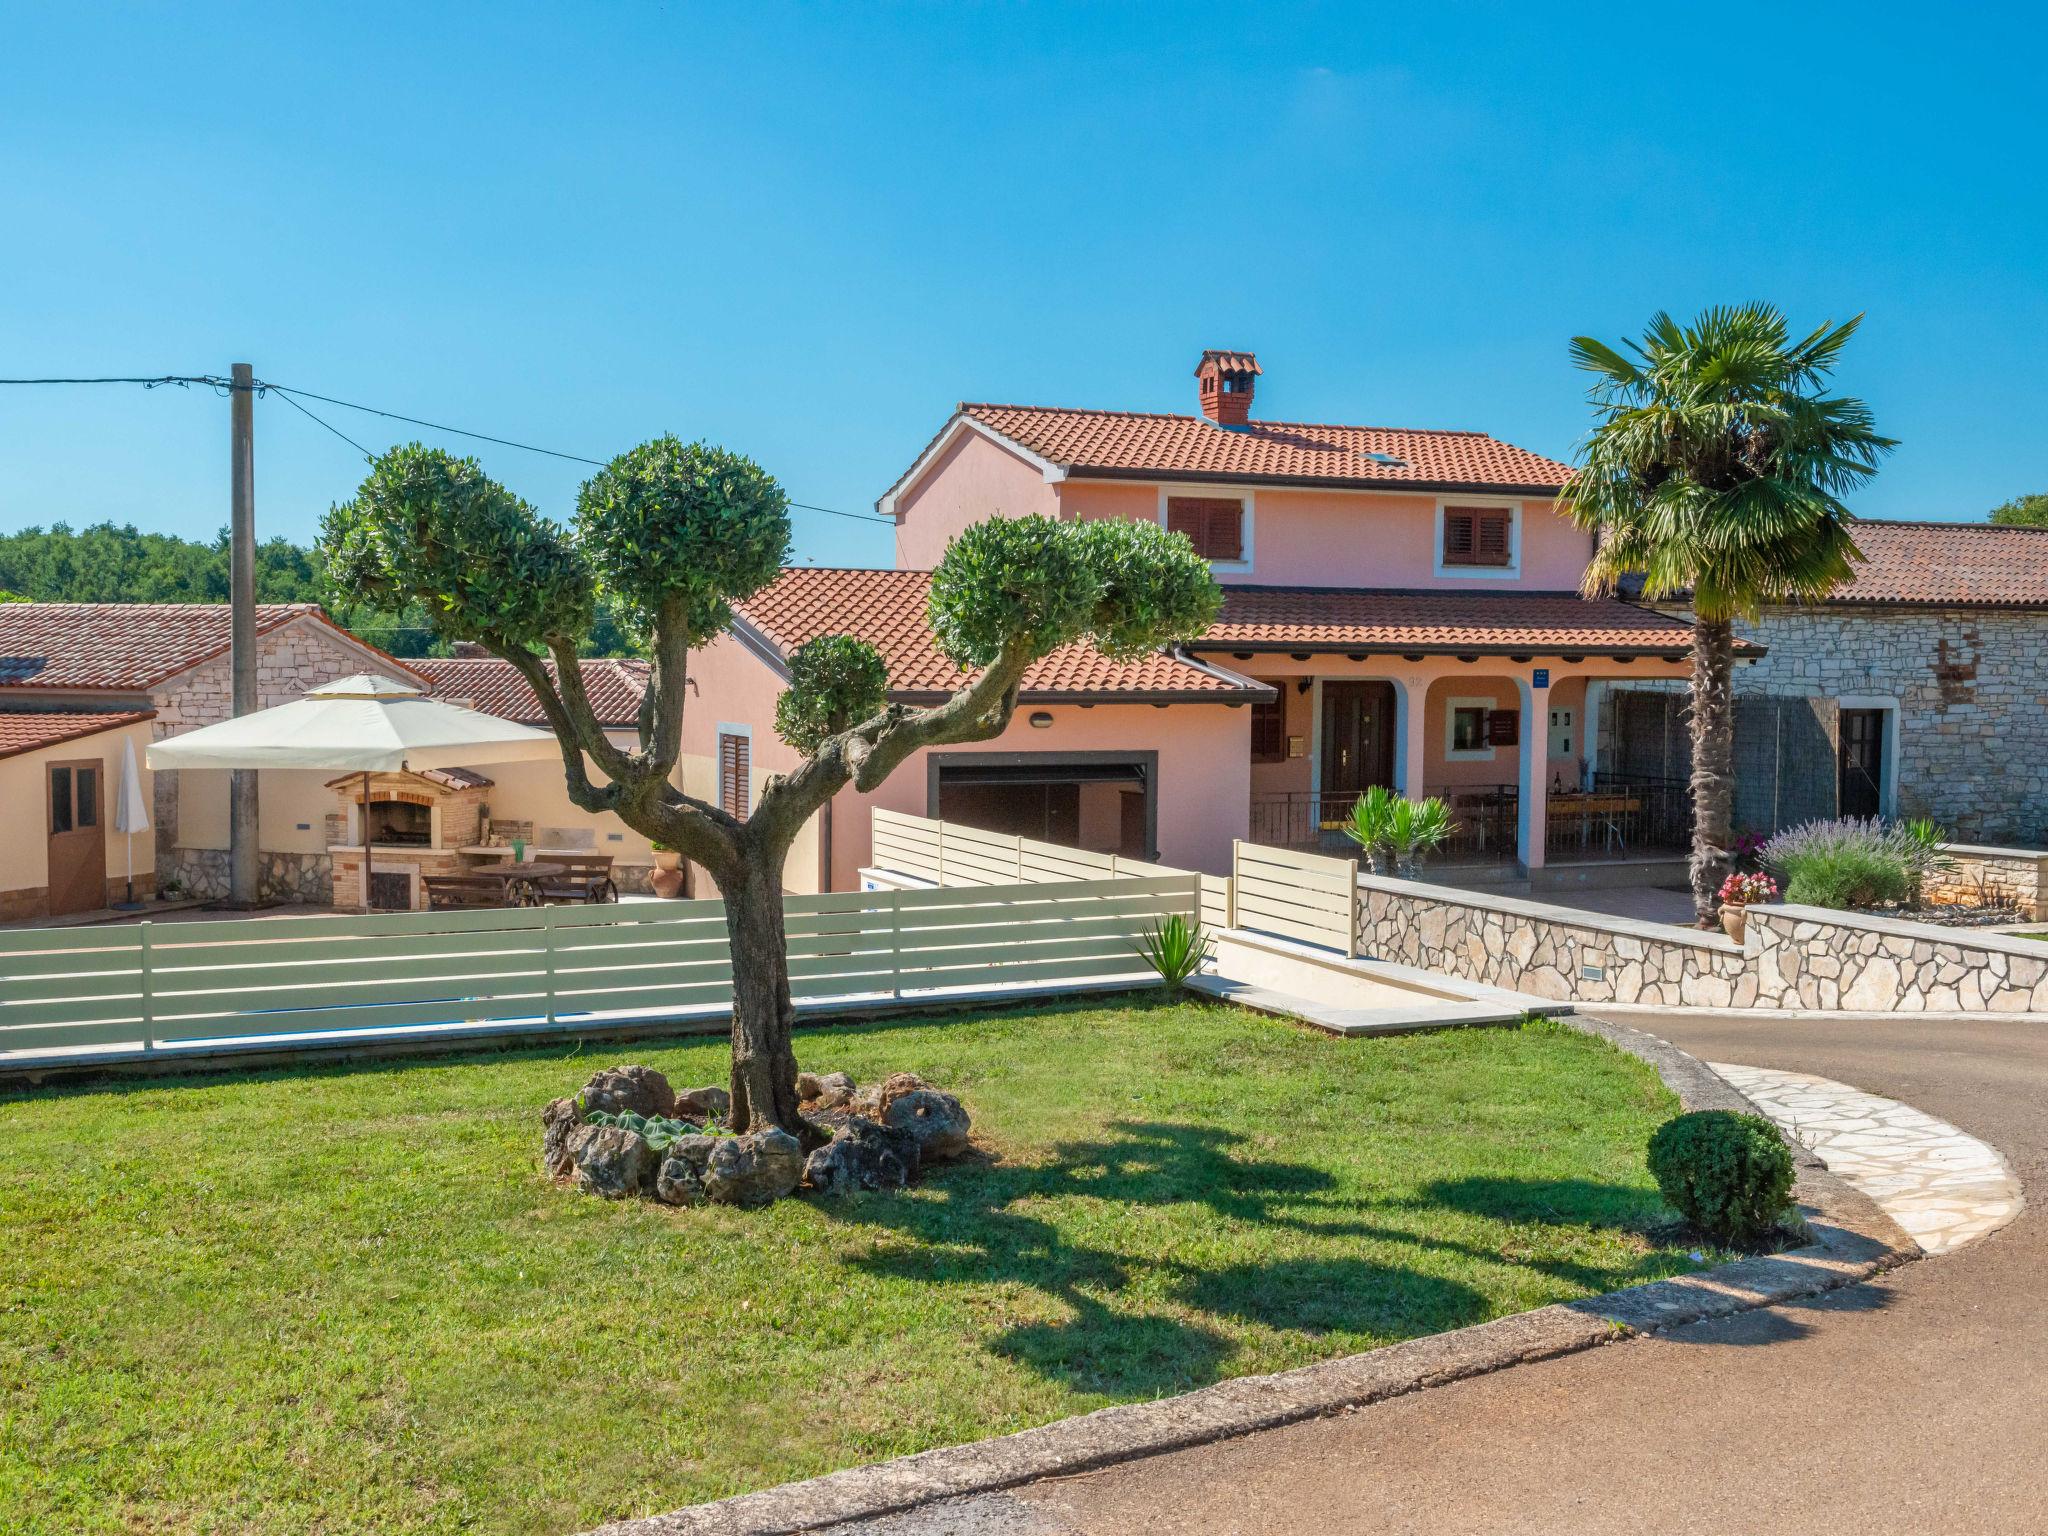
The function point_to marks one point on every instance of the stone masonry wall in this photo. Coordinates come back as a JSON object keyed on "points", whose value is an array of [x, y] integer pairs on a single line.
{"points": [[1554, 952], [1972, 691], [1806, 957], [1791, 957], [290, 659]]}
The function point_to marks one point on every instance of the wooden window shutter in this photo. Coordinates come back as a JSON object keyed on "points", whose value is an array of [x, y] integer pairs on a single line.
{"points": [[1269, 730], [1460, 535], [1503, 727], [1493, 538], [1213, 524], [735, 763], [1477, 535]]}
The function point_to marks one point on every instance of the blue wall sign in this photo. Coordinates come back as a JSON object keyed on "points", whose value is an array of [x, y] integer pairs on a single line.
{"points": [[1540, 678]]}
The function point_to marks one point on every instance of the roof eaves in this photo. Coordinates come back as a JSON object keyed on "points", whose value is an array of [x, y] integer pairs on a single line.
{"points": [[127, 718], [1311, 482], [964, 419]]}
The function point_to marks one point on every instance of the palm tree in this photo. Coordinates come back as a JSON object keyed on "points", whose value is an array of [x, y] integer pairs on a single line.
{"points": [[1716, 470]]}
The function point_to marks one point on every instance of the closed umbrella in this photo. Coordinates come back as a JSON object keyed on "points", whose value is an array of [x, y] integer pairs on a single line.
{"points": [[363, 724], [130, 814]]}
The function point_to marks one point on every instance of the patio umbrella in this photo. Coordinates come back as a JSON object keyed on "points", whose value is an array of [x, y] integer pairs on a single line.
{"points": [[130, 814], [363, 724]]}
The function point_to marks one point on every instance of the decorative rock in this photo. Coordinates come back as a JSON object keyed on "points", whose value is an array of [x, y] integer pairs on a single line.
{"points": [[863, 1155], [935, 1120], [558, 1119], [680, 1180], [610, 1160], [634, 1090], [711, 1103], [874, 1100], [754, 1169], [833, 1090]]}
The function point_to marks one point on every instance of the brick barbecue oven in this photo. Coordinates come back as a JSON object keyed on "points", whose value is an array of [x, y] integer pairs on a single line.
{"points": [[419, 823]]}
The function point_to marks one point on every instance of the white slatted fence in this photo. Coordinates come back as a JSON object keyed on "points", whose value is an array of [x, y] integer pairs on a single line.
{"points": [[947, 853], [1306, 896], [156, 987]]}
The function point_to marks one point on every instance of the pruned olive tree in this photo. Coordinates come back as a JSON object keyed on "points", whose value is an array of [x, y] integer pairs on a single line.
{"points": [[671, 534]]}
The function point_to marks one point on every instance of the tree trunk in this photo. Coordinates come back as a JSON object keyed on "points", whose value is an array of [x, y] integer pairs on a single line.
{"points": [[763, 1061], [1713, 762]]}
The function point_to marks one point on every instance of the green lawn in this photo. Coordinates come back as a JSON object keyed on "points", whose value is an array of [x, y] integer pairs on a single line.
{"points": [[345, 1300]]}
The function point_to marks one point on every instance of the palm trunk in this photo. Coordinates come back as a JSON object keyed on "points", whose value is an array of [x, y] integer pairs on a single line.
{"points": [[763, 1060], [1713, 762]]}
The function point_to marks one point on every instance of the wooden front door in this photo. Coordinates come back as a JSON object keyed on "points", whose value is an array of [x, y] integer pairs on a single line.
{"points": [[1358, 740], [78, 843], [1862, 766]]}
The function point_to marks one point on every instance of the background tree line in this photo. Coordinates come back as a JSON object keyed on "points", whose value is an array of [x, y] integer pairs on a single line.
{"points": [[118, 563]]}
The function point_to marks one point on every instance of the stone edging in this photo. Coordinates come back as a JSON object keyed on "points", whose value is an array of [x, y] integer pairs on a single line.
{"points": [[1853, 1241]]}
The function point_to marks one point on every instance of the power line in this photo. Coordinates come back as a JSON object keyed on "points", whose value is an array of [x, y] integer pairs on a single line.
{"points": [[154, 381], [482, 437], [287, 392], [359, 448]]}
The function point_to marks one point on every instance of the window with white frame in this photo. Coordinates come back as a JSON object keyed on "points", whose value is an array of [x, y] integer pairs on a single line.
{"points": [[1217, 523], [1466, 734], [1478, 539]]}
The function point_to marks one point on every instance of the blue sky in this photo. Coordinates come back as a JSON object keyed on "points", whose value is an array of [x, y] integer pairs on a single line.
{"points": [[806, 232]]}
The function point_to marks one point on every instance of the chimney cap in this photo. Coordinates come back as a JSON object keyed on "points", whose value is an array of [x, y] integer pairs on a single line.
{"points": [[1225, 361]]}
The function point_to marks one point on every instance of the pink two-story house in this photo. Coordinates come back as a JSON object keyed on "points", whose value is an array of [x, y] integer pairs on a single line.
{"points": [[1402, 609]]}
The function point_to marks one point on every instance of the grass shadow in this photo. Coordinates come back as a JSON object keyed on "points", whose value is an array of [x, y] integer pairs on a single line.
{"points": [[992, 1224]]}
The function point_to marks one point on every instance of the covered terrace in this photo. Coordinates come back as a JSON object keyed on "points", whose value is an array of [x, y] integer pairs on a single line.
{"points": [[1492, 702]]}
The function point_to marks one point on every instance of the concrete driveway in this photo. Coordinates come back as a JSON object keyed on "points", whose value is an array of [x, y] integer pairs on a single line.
{"points": [[1916, 1402]]}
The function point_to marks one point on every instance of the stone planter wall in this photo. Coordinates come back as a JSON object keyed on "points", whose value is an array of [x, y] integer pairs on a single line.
{"points": [[1560, 952], [2017, 875], [1791, 957], [1808, 957]]}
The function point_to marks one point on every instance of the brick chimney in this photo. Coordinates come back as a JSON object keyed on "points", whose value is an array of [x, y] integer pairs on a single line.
{"points": [[1224, 380]]}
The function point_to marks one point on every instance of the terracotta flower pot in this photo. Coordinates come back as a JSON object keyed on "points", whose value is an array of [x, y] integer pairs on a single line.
{"points": [[1734, 920], [668, 878]]}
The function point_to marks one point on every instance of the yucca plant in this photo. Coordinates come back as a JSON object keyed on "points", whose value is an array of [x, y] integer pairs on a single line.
{"points": [[1371, 826], [1176, 949], [1418, 828]]}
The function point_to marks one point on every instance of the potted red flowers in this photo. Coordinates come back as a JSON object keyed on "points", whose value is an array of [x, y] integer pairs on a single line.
{"points": [[1737, 893]]}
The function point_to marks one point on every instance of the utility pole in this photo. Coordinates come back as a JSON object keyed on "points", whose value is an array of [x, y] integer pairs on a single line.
{"points": [[243, 860]]}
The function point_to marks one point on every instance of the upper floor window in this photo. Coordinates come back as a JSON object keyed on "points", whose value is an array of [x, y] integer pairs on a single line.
{"points": [[1213, 524], [1478, 537]]}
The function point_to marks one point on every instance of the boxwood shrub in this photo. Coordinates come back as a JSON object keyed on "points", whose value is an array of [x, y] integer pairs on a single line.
{"points": [[1728, 1174]]}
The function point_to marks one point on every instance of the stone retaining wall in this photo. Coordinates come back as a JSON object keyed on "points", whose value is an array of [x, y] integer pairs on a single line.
{"points": [[1809, 957], [1560, 952], [1791, 957], [1985, 875]]}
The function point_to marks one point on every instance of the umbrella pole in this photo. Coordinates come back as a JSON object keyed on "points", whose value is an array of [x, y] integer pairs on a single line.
{"points": [[366, 842]]}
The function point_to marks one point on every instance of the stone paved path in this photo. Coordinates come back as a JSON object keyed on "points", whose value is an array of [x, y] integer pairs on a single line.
{"points": [[1944, 1187]]}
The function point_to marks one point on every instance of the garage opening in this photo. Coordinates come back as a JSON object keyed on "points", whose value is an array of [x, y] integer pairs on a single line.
{"points": [[1100, 802]]}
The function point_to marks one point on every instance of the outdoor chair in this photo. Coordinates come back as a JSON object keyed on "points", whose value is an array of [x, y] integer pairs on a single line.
{"points": [[586, 877]]}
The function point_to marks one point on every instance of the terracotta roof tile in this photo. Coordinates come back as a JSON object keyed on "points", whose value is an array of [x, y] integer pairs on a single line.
{"points": [[887, 609], [125, 647], [28, 732], [1965, 564], [1439, 622], [615, 685], [1136, 443]]}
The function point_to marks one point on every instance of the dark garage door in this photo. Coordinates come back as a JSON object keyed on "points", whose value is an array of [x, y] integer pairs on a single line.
{"points": [[1101, 806]]}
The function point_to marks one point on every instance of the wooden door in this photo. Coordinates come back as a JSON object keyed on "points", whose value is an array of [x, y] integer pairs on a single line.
{"points": [[1862, 762], [78, 842], [1358, 740]]}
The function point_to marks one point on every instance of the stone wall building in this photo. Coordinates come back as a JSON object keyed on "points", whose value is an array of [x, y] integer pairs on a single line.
{"points": [[1919, 689]]}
